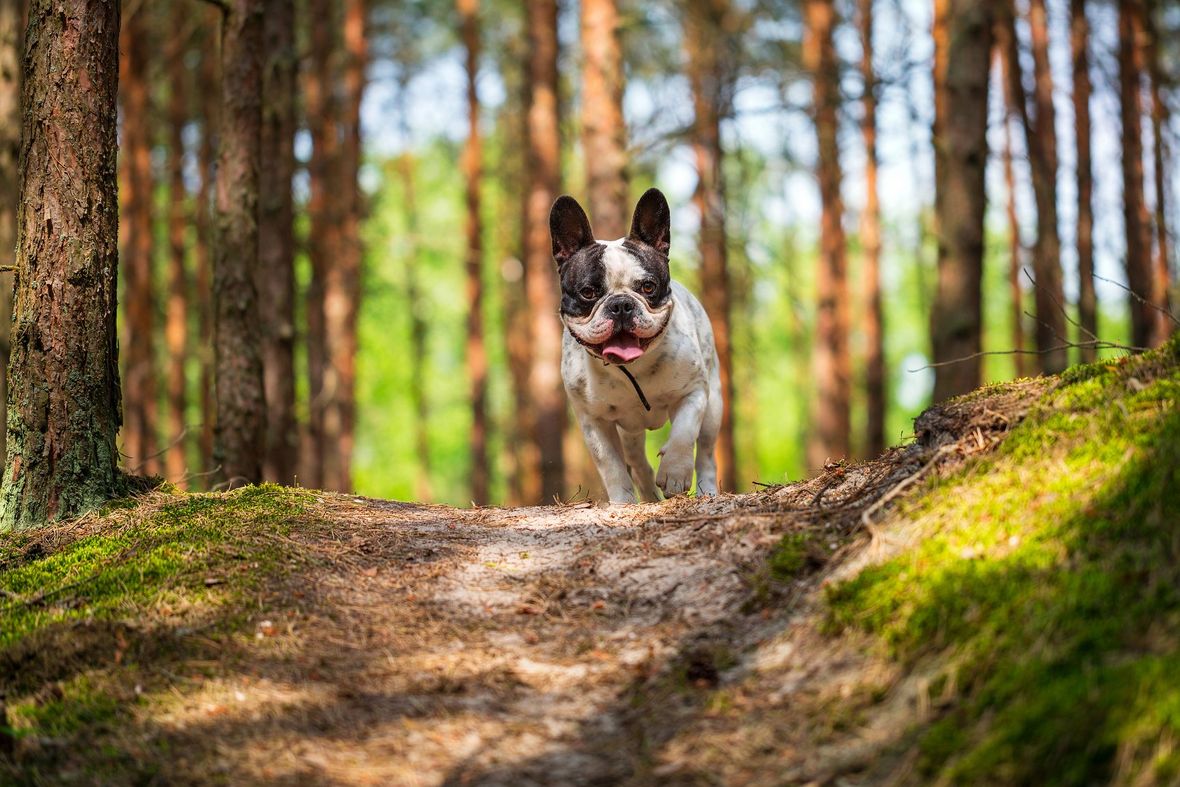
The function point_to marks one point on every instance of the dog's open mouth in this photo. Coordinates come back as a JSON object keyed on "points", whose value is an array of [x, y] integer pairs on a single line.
{"points": [[623, 347]]}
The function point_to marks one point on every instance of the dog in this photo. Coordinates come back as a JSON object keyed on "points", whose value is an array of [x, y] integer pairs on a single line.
{"points": [[637, 351]]}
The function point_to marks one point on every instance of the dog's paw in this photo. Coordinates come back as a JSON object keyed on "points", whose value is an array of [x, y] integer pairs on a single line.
{"points": [[675, 474], [707, 488]]}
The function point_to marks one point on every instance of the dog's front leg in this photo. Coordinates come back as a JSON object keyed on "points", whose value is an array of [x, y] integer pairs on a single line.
{"points": [[602, 440], [676, 457]]}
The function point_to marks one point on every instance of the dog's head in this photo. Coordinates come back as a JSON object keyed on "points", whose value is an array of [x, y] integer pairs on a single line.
{"points": [[616, 296]]}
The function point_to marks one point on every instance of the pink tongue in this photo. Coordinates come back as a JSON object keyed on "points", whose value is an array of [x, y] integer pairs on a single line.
{"points": [[622, 348]]}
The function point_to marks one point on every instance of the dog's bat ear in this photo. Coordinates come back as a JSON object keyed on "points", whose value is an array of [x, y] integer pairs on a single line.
{"points": [[569, 228], [651, 222]]}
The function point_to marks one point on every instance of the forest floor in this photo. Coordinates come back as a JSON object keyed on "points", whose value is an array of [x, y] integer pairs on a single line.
{"points": [[994, 602]]}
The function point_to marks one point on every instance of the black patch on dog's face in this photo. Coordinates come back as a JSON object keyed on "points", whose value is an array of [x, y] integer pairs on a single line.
{"points": [[582, 274], [655, 266]]}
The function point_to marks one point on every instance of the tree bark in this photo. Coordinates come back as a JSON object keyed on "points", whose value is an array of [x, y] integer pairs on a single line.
{"points": [[874, 334], [710, 78], [176, 320], [604, 133], [830, 412], [275, 278], [323, 234], [547, 397], [963, 35], [240, 434], [63, 396], [1049, 295], [1087, 299], [11, 48], [1015, 251], [1135, 220], [135, 240], [210, 110], [477, 360], [1164, 326]]}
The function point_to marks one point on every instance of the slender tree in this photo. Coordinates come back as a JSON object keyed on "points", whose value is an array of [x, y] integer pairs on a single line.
{"points": [[210, 112], [275, 278], [709, 25], [1049, 294], [1087, 300], [63, 395], [240, 432], [1164, 326], [543, 143], [11, 46], [135, 240], [830, 431], [962, 50], [1015, 250], [604, 134], [176, 319], [870, 232], [1135, 219], [477, 360]]}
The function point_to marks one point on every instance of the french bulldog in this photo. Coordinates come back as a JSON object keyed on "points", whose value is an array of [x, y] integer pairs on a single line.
{"points": [[637, 352]]}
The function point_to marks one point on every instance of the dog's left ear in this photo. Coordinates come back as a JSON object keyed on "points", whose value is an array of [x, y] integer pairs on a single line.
{"points": [[651, 222], [569, 229]]}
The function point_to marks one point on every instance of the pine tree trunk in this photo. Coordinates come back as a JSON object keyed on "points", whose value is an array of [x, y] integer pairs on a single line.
{"points": [[604, 133], [1164, 325], [63, 395], [1087, 299], [711, 83], [136, 248], [240, 433], [1049, 294], [276, 247], [1015, 251], [830, 412], [206, 151], [477, 360], [176, 320], [1138, 240], [323, 236], [11, 48], [874, 334], [547, 397], [963, 35]]}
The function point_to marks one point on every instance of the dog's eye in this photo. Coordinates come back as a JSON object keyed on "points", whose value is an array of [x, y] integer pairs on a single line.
{"points": [[589, 294], [648, 288]]}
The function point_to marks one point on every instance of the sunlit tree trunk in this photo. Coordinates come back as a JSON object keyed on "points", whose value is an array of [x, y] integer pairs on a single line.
{"points": [[1164, 326], [870, 232], [176, 318], [1049, 294], [11, 47], [240, 432], [477, 360], [831, 366], [135, 240], [962, 54], [275, 279], [546, 395], [1015, 251], [209, 74], [1135, 219], [1087, 300], [63, 395], [710, 80]]}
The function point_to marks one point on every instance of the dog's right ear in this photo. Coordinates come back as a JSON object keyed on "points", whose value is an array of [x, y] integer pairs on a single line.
{"points": [[569, 229], [651, 223]]}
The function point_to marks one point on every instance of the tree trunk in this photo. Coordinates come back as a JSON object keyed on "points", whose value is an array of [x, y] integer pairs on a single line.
{"points": [[874, 335], [63, 396], [1135, 220], [323, 237], [341, 289], [418, 397], [604, 133], [11, 48], [1087, 300], [206, 150], [477, 360], [1015, 251], [135, 241], [1164, 326], [547, 397], [176, 320], [1049, 296], [275, 279], [240, 435], [963, 35], [830, 430], [710, 80]]}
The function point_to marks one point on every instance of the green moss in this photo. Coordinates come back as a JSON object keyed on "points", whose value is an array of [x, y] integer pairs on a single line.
{"points": [[1048, 577]]}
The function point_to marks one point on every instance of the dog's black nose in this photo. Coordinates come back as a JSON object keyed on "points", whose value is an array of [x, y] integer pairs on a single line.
{"points": [[620, 306]]}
